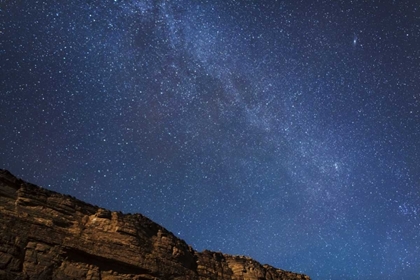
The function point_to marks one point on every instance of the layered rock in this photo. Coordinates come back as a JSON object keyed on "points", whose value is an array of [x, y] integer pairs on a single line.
{"points": [[46, 235]]}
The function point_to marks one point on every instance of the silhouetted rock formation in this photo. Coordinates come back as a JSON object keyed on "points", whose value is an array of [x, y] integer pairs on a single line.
{"points": [[46, 235]]}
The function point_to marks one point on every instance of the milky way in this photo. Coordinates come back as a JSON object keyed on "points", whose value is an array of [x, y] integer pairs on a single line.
{"points": [[288, 131]]}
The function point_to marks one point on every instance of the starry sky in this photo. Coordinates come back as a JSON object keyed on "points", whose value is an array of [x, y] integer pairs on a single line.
{"points": [[288, 131]]}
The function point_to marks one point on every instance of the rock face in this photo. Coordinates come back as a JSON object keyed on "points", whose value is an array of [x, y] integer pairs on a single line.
{"points": [[46, 235]]}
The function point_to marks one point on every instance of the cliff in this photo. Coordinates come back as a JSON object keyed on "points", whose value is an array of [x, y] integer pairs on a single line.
{"points": [[46, 235]]}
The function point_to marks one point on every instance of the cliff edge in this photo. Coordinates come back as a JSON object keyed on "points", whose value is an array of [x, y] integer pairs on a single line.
{"points": [[47, 235]]}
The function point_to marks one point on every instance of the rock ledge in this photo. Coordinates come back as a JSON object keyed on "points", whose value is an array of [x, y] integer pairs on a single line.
{"points": [[47, 235]]}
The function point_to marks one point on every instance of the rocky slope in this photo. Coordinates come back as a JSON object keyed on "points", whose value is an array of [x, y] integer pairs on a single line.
{"points": [[46, 235]]}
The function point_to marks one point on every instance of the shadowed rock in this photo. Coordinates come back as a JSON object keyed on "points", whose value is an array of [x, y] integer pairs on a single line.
{"points": [[46, 235]]}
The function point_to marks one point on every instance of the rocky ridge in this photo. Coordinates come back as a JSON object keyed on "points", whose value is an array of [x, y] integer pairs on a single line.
{"points": [[47, 235]]}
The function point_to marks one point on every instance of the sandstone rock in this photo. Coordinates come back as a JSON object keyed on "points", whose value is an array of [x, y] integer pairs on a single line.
{"points": [[46, 235]]}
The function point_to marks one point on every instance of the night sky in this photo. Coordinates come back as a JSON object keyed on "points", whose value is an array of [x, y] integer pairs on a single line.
{"points": [[288, 131]]}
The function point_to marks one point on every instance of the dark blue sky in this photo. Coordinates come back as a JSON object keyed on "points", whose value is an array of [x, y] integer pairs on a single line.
{"points": [[288, 131]]}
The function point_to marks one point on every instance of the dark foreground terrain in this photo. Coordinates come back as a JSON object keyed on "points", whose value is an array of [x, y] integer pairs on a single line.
{"points": [[47, 235]]}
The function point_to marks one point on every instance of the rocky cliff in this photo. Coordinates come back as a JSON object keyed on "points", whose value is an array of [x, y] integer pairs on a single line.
{"points": [[46, 235]]}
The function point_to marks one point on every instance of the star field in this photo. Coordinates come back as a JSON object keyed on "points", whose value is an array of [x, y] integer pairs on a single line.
{"points": [[288, 131]]}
